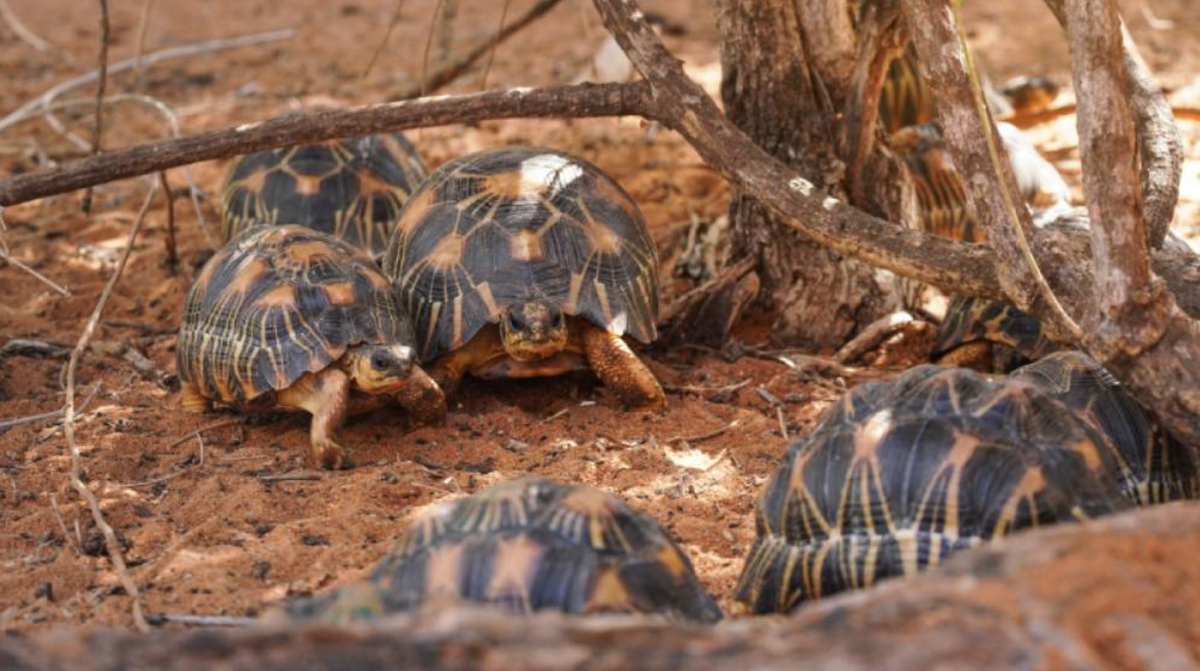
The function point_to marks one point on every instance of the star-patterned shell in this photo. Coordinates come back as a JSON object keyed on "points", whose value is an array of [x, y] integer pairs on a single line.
{"points": [[276, 303], [1153, 466], [498, 227], [907, 99], [1016, 336], [352, 189], [902, 474], [528, 545]]}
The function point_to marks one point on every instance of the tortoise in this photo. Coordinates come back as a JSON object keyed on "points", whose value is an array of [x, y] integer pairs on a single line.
{"points": [[901, 474], [989, 336], [524, 262], [289, 317], [352, 188], [527, 545], [1153, 466], [906, 99]]}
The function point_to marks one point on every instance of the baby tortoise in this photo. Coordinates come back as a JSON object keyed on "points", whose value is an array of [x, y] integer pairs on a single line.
{"points": [[294, 318], [901, 474], [525, 262], [989, 336], [528, 545], [352, 189]]}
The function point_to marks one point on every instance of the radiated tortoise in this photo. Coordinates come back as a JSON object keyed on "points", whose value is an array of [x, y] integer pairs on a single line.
{"points": [[294, 318], [524, 262], [352, 188], [528, 545]]}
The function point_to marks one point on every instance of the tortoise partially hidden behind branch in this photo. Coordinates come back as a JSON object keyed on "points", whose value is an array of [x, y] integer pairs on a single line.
{"points": [[902, 474], [527, 545], [526, 262], [352, 189], [294, 318]]}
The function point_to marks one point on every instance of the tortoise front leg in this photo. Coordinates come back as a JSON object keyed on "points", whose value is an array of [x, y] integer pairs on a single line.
{"points": [[422, 398], [193, 401], [326, 395], [620, 369], [449, 370]]}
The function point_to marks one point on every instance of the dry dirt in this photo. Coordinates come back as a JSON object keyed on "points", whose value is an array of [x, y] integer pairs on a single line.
{"points": [[221, 516]]}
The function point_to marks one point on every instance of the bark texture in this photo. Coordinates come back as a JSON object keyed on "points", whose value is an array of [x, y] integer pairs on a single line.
{"points": [[1117, 594], [773, 92]]}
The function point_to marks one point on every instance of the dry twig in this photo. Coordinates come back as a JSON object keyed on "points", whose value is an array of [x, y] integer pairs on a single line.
{"points": [[101, 83], [487, 67], [28, 110], [448, 72], [110, 538], [140, 47], [27, 36], [387, 35]]}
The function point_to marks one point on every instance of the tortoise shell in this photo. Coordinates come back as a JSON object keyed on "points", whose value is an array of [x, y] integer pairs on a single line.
{"points": [[495, 228], [276, 303], [1015, 336], [528, 545], [353, 189], [901, 474], [1153, 466], [941, 197], [907, 99]]}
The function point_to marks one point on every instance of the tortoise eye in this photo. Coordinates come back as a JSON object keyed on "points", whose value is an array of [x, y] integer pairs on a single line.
{"points": [[381, 361], [558, 319], [515, 322]]}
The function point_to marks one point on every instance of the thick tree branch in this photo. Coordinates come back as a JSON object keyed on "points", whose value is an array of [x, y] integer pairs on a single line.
{"points": [[1029, 602], [1128, 299], [1160, 145], [979, 155], [293, 129]]}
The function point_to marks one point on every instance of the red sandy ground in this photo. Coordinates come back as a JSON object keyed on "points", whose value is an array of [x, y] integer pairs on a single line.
{"points": [[207, 529]]}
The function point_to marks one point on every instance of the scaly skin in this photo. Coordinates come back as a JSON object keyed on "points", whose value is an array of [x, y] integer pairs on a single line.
{"points": [[326, 395]]}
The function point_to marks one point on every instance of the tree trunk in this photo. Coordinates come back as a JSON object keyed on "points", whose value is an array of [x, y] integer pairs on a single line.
{"points": [[785, 101]]}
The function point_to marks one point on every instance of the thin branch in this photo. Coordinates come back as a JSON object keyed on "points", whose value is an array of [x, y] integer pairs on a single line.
{"points": [[437, 13], [101, 83], [387, 36], [27, 110], [27, 36], [487, 67], [169, 242], [140, 47], [16, 263], [452, 70], [110, 538]]}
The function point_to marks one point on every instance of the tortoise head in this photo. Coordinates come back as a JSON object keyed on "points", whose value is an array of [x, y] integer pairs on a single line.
{"points": [[533, 330], [380, 369]]}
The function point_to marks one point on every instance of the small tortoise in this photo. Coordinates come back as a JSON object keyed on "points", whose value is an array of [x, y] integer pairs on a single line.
{"points": [[901, 474], [906, 99], [525, 262], [528, 545], [291, 317], [989, 336], [352, 189]]}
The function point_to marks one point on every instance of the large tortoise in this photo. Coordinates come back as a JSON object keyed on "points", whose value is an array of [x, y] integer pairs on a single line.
{"points": [[524, 262], [528, 545], [353, 188], [901, 474], [293, 318]]}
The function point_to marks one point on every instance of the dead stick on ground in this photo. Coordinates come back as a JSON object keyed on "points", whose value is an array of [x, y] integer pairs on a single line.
{"points": [[449, 72], [172, 254], [110, 538], [27, 36], [139, 48], [387, 35], [186, 51], [487, 67], [101, 83], [62, 525]]}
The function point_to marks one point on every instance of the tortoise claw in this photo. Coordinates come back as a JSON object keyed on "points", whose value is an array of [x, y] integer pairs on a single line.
{"points": [[331, 455]]}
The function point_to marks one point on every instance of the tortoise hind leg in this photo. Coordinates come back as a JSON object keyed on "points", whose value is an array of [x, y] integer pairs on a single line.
{"points": [[326, 396], [193, 401], [620, 369]]}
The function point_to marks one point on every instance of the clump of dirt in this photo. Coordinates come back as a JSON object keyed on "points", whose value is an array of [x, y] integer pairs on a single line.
{"points": [[221, 514]]}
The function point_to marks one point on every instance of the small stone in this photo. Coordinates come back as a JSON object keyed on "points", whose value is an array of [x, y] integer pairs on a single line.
{"points": [[313, 540], [260, 570], [514, 445], [389, 477], [44, 591]]}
